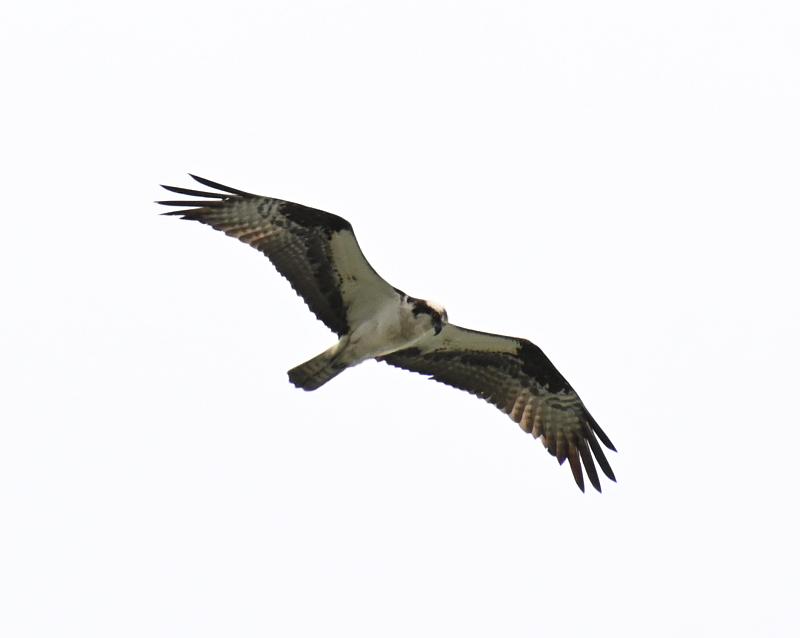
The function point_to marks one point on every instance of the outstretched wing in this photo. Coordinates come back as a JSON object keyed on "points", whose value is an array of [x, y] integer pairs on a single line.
{"points": [[518, 378], [316, 251]]}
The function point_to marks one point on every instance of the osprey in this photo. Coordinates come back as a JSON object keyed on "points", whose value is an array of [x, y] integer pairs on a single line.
{"points": [[319, 255]]}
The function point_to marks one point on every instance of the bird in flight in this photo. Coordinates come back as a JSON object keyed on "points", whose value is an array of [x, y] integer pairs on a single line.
{"points": [[318, 254]]}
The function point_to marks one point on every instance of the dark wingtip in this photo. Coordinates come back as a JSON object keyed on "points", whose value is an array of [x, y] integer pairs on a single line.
{"points": [[218, 186], [193, 192], [598, 452], [608, 471], [588, 463], [600, 434], [575, 465], [168, 212]]}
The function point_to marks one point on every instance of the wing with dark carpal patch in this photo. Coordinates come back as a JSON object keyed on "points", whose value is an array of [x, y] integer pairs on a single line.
{"points": [[516, 376], [316, 251]]}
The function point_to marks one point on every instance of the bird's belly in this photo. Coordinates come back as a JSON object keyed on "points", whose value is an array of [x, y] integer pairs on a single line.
{"points": [[381, 337]]}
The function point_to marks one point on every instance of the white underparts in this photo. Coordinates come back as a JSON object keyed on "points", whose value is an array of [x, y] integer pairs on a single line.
{"points": [[393, 327]]}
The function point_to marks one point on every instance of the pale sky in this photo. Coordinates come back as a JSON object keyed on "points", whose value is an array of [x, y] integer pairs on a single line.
{"points": [[616, 181]]}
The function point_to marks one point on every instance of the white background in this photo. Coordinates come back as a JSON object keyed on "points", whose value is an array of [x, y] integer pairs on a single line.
{"points": [[617, 181]]}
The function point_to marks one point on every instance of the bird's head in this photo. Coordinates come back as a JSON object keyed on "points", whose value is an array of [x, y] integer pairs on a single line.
{"points": [[437, 314]]}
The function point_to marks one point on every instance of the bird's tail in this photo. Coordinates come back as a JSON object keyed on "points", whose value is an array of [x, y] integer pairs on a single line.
{"points": [[316, 372]]}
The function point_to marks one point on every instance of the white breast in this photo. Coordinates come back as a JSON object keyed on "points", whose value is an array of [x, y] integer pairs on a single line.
{"points": [[393, 327]]}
